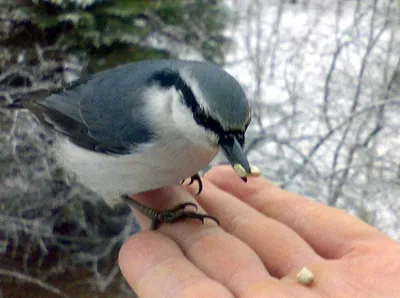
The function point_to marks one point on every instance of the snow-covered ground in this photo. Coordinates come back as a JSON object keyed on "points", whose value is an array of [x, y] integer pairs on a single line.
{"points": [[321, 75]]}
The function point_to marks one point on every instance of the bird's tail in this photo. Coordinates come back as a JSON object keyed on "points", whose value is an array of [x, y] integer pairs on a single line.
{"points": [[22, 100]]}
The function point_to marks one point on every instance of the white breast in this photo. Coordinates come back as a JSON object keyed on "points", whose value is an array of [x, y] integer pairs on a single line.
{"points": [[152, 167]]}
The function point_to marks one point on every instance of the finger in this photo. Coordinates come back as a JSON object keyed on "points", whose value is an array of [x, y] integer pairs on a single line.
{"points": [[280, 248], [218, 254], [331, 232], [154, 266]]}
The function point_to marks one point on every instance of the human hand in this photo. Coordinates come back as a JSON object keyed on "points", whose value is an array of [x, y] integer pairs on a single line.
{"points": [[266, 236]]}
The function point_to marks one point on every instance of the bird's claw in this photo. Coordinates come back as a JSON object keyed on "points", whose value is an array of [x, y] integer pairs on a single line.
{"points": [[183, 206], [177, 213], [195, 177]]}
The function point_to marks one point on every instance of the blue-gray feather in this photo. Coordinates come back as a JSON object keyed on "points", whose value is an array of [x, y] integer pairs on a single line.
{"points": [[103, 112]]}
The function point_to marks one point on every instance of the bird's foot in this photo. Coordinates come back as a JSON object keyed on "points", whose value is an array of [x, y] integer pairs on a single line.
{"points": [[178, 213], [195, 177]]}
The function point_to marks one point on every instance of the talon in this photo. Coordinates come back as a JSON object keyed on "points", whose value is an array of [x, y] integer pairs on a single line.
{"points": [[183, 206], [199, 216], [200, 187], [172, 215], [195, 177]]}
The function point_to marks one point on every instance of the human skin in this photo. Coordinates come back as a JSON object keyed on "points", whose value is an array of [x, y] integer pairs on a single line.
{"points": [[266, 236]]}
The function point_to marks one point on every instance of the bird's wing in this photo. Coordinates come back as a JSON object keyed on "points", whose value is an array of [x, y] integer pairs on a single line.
{"points": [[100, 113]]}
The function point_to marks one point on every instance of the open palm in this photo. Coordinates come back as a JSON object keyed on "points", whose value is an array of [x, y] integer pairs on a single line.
{"points": [[266, 236]]}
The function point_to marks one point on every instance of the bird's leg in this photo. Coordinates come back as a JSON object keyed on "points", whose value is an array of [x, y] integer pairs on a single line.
{"points": [[195, 177], [172, 215]]}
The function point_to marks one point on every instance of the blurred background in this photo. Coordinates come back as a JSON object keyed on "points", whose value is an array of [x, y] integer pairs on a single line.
{"points": [[323, 78]]}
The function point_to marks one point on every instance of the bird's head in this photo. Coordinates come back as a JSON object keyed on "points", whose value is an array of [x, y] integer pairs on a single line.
{"points": [[208, 105]]}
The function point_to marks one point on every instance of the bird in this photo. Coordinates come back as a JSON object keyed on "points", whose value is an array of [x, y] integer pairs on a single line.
{"points": [[146, 125]]}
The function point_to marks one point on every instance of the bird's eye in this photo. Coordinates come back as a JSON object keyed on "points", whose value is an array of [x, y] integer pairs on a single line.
{"points": [[226, 138], [241, 139], [230, 136]]}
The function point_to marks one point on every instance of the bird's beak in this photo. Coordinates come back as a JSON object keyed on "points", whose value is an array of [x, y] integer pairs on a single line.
{"points": [[235, 155]]}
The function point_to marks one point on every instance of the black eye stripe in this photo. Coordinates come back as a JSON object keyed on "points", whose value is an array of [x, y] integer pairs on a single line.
{"points": [[167, 78]]}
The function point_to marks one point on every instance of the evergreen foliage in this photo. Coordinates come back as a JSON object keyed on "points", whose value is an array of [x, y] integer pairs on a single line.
{"points": [[51, 225]]}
